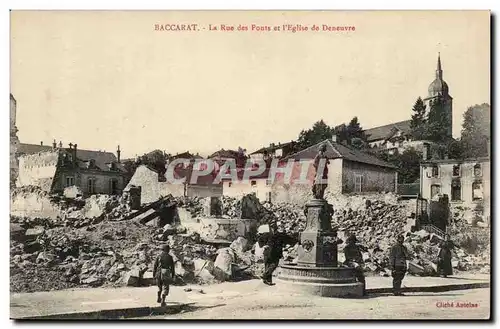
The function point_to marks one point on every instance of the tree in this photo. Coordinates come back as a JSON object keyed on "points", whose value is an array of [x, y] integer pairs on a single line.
{"points": [[438, 123], [354, 130], [418, 120], [456, 149], [318, 133], [476, 130], [358, 143], [130, 166], [409, 165], [341, 132], [156, 159]]}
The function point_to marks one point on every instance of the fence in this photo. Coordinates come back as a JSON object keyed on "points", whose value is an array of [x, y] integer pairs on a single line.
{"points": [[409, 189], [434, 229]]}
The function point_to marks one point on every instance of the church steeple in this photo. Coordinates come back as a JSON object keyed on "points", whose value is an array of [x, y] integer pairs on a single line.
{"points": [[438, 86], [439, 71]]}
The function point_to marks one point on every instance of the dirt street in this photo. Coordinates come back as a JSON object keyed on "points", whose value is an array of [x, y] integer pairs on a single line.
{"points": [[466, 304]]}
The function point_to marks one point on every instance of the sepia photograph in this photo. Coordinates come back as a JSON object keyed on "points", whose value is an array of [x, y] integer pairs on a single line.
{"points": [[250, 165]]}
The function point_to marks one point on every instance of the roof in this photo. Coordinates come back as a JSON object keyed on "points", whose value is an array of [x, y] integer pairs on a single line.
{"points": [[186, 155], [382, 132], [273, 147], [338, 151], [225, 154], [102, 159]]}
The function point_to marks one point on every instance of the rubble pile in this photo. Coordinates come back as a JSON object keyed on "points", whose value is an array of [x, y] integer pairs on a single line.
{"points": [[91, 244], [192, 204], [46, 257]]}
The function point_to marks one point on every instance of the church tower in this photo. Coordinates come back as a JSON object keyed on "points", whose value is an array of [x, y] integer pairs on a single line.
{"points": [[439, 89]]}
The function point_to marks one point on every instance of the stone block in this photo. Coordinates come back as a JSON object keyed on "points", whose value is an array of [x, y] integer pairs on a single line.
{"points": [[148, 279], [132, 278], [33, 233], [415, 269]]}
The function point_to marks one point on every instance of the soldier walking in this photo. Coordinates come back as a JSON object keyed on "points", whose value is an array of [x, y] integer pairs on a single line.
{"points": [[273, 252], [398, 258], [164, 272], [354, 258]]}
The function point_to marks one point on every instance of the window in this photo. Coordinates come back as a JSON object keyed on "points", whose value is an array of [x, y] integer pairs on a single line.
{"points": [[70, 181], [113, 186], [456, 170], [477, 191], [456, 190], [91, 185], [477, 170], [278, 153], [435, 190], [268, 196], [358, 181], [435, 171], [253, 183], [230, 184]]}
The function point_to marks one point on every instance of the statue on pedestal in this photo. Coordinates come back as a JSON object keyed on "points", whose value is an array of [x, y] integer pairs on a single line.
{"points": [[320, 160]]}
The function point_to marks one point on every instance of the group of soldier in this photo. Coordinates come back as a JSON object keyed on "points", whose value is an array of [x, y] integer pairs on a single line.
{"points": [[273, 242]]}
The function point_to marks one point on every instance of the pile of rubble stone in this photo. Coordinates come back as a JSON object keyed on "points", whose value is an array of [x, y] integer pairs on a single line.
{"points": [[88, 247]]}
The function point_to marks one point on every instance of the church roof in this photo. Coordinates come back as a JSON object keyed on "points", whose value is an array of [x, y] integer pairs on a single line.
{"points": [[336, 150], [438, 86], [383, 132]]}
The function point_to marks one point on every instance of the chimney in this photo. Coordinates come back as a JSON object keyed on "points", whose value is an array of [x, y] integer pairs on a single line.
{"points": [[41, 143], [426, 152], [334, 138], [74, 153], [54, 144], [118, 152]]}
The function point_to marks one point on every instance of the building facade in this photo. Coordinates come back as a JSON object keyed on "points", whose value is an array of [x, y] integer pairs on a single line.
{"points": [[259, 185], [466, 182], [54, 168], [350, 171]]}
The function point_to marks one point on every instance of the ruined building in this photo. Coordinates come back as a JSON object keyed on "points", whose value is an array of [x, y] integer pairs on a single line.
{"points": [[53, 168], [14, 141]]}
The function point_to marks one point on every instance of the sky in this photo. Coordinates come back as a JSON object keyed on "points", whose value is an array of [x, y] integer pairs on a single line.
{"points": [[107, 78]]}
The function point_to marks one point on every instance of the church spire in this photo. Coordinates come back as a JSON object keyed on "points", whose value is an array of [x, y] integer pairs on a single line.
{"points": [[439, 71]]}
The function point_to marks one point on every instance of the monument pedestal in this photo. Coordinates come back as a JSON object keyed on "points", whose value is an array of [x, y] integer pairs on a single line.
{"points": [[317, 271]]}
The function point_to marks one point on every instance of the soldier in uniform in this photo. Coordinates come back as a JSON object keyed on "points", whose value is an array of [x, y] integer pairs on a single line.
{"points": [[273, 252], [398, 258], [164, 272], [354, 258]]}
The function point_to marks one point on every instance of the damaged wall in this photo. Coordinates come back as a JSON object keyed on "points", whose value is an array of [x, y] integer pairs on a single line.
{"points": [[32, 204], [204, 191], [38, 169], [259, 186], [152, 190], [14, 142], [301, 193]]}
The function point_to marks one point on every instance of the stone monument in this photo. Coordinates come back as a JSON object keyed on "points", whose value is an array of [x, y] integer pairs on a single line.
{"points": [[317, 271]]}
